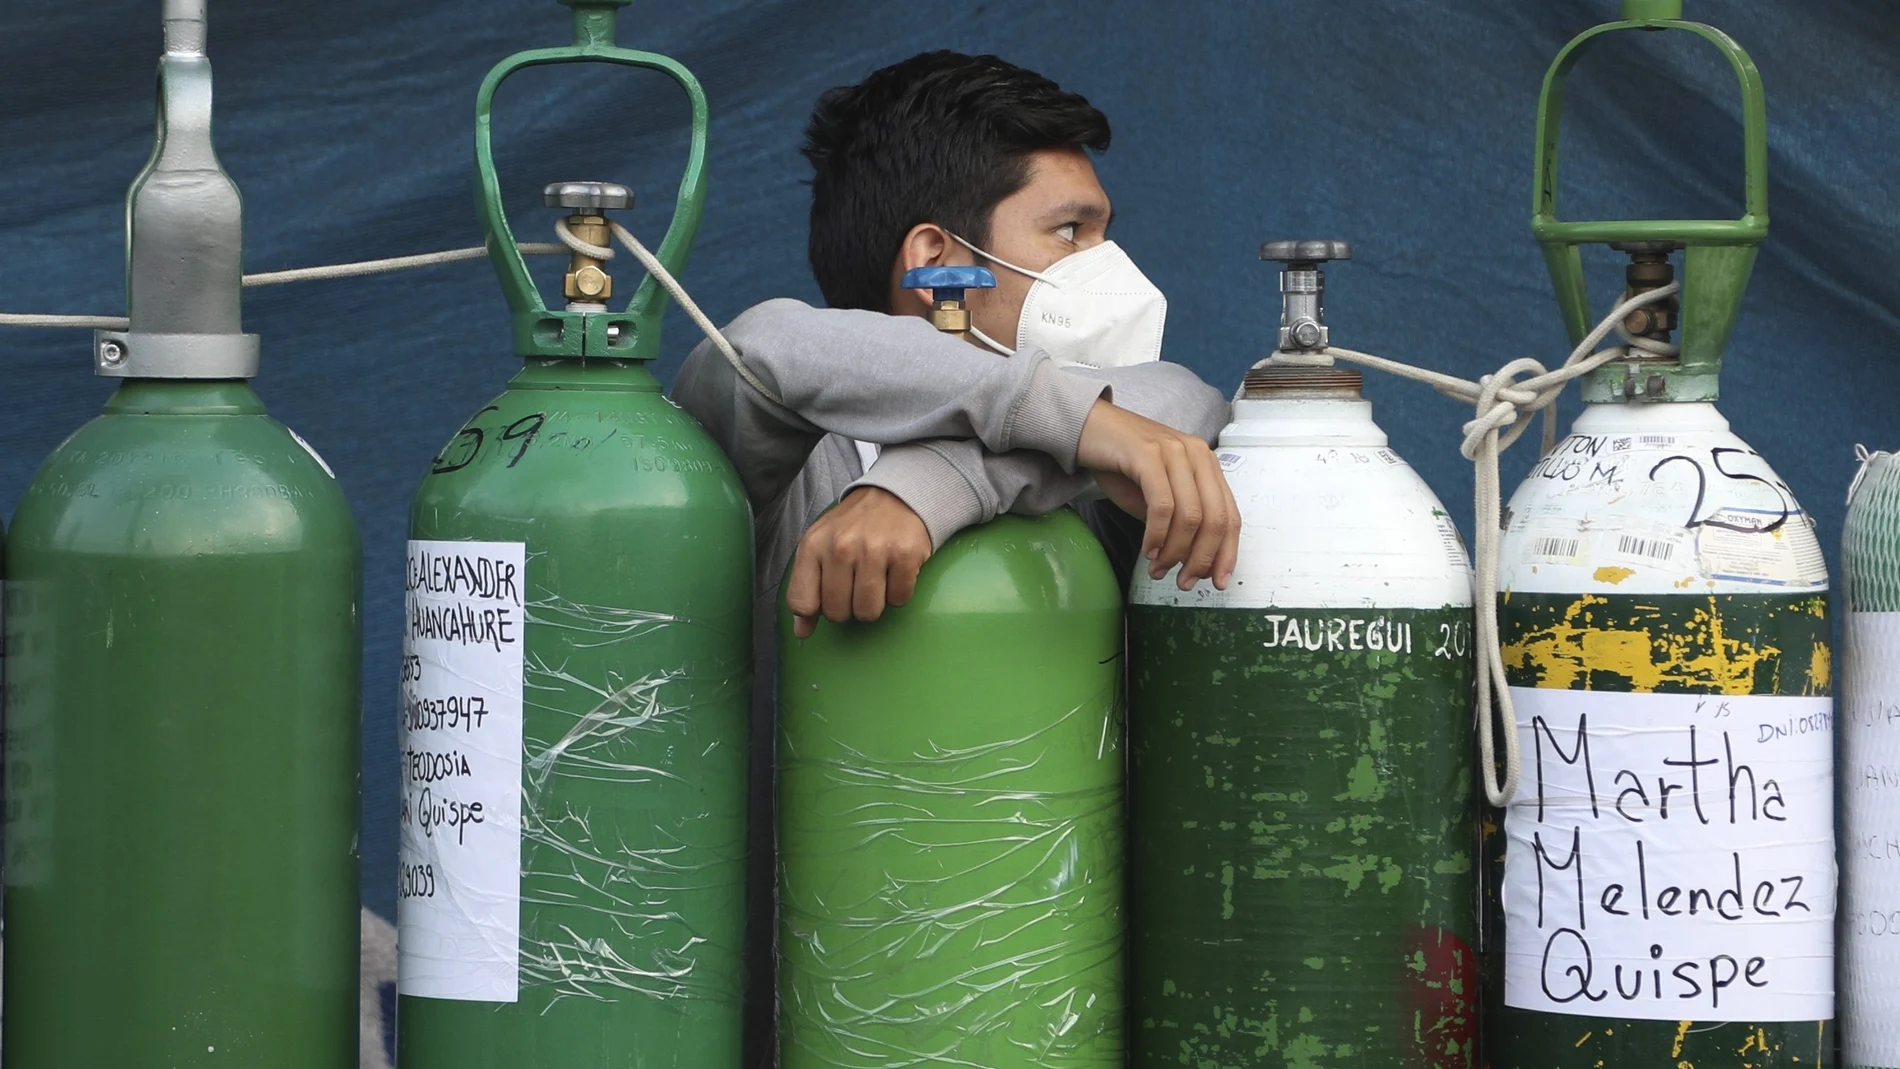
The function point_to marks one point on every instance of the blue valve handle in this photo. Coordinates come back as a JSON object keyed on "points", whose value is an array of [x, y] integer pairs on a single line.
{"points": [[948, 283]]}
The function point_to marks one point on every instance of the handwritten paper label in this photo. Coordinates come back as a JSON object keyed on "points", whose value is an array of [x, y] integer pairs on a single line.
{"points": [[1671, 857], [1870, 830], [459, 878]]}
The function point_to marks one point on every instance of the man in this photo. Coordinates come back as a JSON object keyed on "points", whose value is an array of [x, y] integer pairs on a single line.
{"points": [[913, 435]]}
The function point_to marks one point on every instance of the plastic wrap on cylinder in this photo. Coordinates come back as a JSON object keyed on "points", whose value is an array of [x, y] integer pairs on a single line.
{"points": [[951, 815], [647, 869], [1870, 771]]}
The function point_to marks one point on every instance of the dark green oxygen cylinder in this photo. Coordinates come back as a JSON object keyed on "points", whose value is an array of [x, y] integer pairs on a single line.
{"points": [[1660, 888], [182, 714], [950, 821], [575, 685], [1303, 833]]}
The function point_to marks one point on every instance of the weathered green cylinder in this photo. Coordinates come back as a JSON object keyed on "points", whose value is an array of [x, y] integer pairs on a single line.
{"points": [[183, 644], [1660, 890], [951, 815], [1302, 838]]}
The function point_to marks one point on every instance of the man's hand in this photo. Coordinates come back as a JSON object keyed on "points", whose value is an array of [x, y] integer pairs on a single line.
{"points": [[858, 557], [1173, 481]]}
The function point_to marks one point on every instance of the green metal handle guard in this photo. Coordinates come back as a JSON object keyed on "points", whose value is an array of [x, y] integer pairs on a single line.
{"points": [[1719, 254], [538, 331]]}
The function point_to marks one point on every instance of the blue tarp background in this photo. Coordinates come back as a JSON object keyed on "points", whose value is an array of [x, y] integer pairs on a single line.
{"points": [[1403, 125]]}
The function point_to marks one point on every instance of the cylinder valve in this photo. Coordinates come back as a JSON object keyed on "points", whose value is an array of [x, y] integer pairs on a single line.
{"points": [[1650, 269], [948, 313], [1303, 290], [587, 284]]}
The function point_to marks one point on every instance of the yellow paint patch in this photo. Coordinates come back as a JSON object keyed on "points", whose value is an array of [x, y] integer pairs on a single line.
{"points": [[1612, 575], [1581, 645], [1682, 1029], [1585, 1039], [1820, 669]]}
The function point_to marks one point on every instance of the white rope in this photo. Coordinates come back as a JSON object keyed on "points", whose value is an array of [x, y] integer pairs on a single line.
{"points": [[449, 256], [20, 319], [1866, 458], [393, 263], [1505, 403], [658, 270], [299, 274]]}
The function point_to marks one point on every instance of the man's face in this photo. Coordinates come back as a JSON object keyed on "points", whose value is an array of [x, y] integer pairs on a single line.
{"points": [[1061, 211]]}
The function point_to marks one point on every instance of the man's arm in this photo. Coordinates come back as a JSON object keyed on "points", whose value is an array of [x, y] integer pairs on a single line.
{"points": [[874, 377], [867, 552], [953, 484]]}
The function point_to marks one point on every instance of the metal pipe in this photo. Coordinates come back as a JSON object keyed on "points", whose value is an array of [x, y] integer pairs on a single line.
{"points": [[185, 27]]}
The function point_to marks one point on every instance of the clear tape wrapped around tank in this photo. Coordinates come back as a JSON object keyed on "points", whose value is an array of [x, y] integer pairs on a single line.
{"points": [[630, 838], [959, 918], [633, 733]]}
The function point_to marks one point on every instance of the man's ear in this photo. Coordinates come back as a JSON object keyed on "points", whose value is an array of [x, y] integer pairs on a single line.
{"points": [[927, 245]]}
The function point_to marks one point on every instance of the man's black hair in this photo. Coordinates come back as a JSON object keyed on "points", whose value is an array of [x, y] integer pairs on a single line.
{"points": [[939, 138]]}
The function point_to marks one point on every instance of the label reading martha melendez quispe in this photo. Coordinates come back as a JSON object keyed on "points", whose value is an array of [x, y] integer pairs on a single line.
{"points": [[1671, 856]]}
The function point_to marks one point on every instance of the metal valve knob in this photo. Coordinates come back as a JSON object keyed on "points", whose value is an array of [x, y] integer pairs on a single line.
{"points": [[593, 197], [587, 284], [947, 285], [1302, 289], [1306, 252]]}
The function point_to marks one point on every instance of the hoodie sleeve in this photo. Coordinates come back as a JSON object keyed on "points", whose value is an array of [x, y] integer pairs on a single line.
{"points": [[873, 377], [954, 484]]}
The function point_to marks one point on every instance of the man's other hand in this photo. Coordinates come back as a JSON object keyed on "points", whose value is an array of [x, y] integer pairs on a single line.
{"points": [[858, 557], [1173, 481]]}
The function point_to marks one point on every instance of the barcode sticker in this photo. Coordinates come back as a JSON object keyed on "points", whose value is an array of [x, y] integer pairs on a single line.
{"points": [[1652, 548], [1555, 547]]}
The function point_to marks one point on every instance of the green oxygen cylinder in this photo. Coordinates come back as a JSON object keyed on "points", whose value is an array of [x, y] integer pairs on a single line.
{"points": [[1660, 887], [183, 696], [950, 809], [1303, 835], [576, 669], [1870, 760]]}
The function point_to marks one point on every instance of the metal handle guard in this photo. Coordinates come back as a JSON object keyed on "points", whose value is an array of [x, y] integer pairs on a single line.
{"points": [[1719, 253], [539, 331]]}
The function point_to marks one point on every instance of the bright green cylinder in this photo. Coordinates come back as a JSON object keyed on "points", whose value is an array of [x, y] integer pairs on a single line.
{"points": [[637, 595], [182, 717], [951, 815]]}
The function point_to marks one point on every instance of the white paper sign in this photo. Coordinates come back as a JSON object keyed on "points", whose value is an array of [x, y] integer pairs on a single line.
{"points": [[1870, 832], [459, 878], [1671, 857]]}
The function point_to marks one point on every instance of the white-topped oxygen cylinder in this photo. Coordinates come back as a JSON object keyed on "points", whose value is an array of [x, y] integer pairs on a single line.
{"points": [[1302, 836], [1870, 768]]}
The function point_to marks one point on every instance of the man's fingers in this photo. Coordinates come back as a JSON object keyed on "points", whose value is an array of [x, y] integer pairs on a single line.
{"points": [[901, 576], [835, 585], [1216, 509], [1188, 512], [1152, 477], [801, 589], [867, 590], [1229, 554]]}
